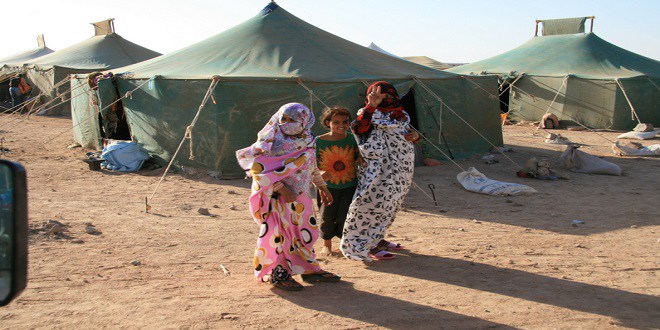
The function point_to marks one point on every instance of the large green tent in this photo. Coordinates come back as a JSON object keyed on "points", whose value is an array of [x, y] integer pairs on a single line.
{"points": [[276, 58], [106, 50], [591, 81]]}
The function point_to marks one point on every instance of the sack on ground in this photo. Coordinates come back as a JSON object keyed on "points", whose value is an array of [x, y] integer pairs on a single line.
{"points": [[652, 150], [475, 181], [639, 135], [582, 162]]}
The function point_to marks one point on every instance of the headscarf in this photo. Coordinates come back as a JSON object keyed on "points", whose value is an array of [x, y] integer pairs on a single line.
{"points": [[391, 106], [388, 104], [273, 140]]}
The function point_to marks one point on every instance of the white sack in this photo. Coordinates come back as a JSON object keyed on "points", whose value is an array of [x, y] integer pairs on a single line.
{"points": [[652, 150], [639, 135], [475, 181], [582, 162]]}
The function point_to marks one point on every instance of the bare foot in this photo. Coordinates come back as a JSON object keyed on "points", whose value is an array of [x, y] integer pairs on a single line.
{"points": [[325, 251]]}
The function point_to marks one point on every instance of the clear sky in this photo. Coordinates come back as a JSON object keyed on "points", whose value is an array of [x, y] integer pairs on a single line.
{"points": [[447, 31]]}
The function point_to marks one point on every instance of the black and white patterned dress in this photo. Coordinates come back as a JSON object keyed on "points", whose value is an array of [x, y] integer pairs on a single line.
{"points": [[382, 185]]}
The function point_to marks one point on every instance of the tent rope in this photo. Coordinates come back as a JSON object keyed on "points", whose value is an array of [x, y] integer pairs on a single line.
{"points": [[438, 148], [511, 84], [96, 113], [188, 134], [17, 107], [633, 113], [311, 93], [563, 83], [651, 81], [32, 111], [463, 120]]}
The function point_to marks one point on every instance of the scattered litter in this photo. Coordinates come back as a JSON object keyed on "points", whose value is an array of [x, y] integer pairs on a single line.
{"points": [[539, 169], [633, 226], [556, 139], [582, 162], [74, 145], [475, 181], [575, 223], [225, 270], [490, 159], [576, 128], [136, 262], [498, 150], [461, 229], [578, 245], [232, 207], [231, 192]]}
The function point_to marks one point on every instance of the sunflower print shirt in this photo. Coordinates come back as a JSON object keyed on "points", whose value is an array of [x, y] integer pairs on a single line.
{"points": [[339, 159]]}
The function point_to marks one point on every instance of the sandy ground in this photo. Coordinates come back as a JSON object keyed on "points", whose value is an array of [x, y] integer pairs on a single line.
{"points": [[473, 261]]}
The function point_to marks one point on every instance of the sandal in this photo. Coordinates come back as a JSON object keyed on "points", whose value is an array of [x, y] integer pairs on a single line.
{"points": [[382, 255], [323, 276], [287, 285], [390, 246]]}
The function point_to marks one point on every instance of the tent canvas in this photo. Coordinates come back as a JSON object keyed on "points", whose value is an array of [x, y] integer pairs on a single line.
{"points": [[272, 59], [594, 71]]}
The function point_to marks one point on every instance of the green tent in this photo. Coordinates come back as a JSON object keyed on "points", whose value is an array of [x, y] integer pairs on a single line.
{"points": [[276, 58], [22, 57], [101, 52], [591, 81], [9, 64]]}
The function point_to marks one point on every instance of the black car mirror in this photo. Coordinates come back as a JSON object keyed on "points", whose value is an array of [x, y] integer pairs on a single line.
{"points": [[13, 230]]}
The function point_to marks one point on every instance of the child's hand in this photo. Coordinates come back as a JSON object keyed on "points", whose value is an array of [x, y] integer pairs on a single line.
{"points": [[287, 194], [325, 175], [326, 196], [361, 161], [412, 136]]}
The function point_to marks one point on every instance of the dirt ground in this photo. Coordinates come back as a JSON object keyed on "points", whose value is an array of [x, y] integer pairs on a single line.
{"points": [[472, 261]]}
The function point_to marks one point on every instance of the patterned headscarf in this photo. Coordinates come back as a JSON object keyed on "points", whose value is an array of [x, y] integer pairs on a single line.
{"points": [[389, 104], [362, 124], [273, 141]]}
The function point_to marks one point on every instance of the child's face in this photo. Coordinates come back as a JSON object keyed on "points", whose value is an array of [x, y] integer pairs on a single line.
{"points": [[339, 124]]}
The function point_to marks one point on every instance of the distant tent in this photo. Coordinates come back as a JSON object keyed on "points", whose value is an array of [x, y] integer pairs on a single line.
{"points": [[421, 60], [594, 81], [431, 63], [265, 62], [380, 50], [27, 55], [9, 63], [106, 50]]}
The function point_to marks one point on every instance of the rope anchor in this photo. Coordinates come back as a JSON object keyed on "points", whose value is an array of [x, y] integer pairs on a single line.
{"points": [[432, 188]]}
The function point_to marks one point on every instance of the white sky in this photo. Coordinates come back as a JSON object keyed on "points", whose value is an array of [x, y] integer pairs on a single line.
{"points": [[447, 31]]}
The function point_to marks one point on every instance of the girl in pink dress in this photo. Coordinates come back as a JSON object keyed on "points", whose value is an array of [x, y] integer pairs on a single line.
{"points": [[282, 164]]}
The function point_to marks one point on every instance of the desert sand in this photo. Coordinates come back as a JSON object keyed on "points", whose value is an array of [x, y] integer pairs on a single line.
{"points": [[472, 261]]}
